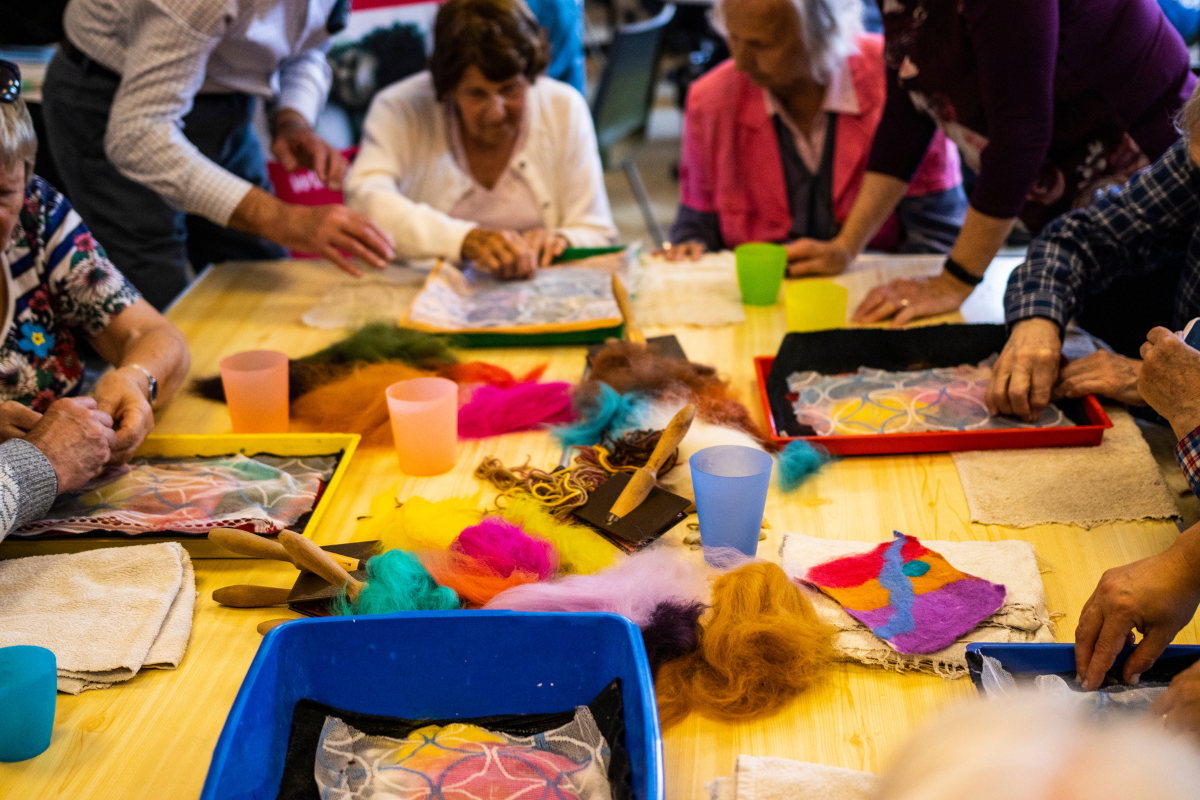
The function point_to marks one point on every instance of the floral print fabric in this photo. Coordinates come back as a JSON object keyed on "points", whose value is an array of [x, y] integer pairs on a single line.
{"points": [[61, 286]]}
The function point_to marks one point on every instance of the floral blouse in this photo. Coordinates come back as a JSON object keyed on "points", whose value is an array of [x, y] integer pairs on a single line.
{"points": [[60, 286]]}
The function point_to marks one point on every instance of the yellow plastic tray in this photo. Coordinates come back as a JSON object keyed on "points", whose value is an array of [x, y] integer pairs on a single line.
{"points": [[168, 445]]}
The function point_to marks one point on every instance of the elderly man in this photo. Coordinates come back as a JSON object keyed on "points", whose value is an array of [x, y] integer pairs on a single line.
{"points": [[776, 139], [148, 109]]}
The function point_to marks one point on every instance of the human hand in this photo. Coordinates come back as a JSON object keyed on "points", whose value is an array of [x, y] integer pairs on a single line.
{"points": [[906, 298], [16, 420], [333, 231], [1179, 706], [682, 251], [296, 145], [546, 246], [121, 394], [814, 257], [1169, 380], [1104, 373], [1026, 371], [1157, 596], [77, 439], [502, 253]]}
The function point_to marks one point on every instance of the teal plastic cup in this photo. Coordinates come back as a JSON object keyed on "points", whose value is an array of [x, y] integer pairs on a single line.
{"points": [[28, 691], [731, 485], [760, 270]]}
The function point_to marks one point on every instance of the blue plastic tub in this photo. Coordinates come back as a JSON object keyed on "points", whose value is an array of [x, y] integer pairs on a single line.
{"points": [[1049, 659], [436, 665]]}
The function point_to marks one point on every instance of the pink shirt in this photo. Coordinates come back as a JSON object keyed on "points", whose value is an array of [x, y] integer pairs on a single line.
{"points": [[510, 205]]}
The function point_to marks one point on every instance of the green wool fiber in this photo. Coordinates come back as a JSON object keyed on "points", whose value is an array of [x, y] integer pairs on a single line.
{"points": [[380, 341], [396, 581]]}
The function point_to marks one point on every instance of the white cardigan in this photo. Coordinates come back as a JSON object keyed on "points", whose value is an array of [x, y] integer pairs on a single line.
{"points": [[406, 179]]}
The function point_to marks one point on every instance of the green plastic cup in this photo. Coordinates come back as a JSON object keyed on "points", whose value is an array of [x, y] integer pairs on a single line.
{"points": [[760, 268]]}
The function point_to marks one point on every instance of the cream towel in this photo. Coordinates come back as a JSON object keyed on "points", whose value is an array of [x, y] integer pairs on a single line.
{"points": [[105, 613], [783, 779], [1116, 480], [1022, 618]]}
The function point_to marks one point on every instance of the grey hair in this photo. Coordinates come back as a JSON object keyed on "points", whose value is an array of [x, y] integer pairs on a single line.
{"points": [[1188, 118], [828, 28], [18, 142]]}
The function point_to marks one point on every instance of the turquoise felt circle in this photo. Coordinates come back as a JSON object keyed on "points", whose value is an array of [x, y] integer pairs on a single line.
{"points": [[915, 569]]}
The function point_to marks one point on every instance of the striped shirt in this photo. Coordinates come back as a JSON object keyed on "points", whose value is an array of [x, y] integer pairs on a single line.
{"points": [[168, 51]]}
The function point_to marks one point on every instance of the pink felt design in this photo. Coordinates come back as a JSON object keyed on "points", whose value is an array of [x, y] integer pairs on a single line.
{"points": [[503, 548], [850, 571], [493, 410]]}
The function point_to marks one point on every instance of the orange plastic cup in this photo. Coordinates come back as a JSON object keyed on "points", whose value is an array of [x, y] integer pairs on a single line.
{"points": [[424, 414], [256, 391]]}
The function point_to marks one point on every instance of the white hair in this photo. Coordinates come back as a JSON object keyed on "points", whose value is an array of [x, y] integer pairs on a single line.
{"points": [[828, 28], [1030, 747], [1187, 121], [18, 142]]}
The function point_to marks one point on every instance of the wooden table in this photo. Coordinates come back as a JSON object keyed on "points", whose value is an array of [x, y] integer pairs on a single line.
{"points": [[153, 736]]}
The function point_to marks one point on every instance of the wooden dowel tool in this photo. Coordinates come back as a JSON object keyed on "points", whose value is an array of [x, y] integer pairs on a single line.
{"points": [[639, 486], [251, 544]]}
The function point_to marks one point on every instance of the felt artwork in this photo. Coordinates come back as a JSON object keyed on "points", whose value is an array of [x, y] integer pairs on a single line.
{"points": [[908, 595], [492, 410], [877, 401], [263, 493]]}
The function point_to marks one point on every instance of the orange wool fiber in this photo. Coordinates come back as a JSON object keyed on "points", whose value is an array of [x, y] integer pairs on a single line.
{"points": [[762, 645], [354, 403], [483, 372], [472, 580]]}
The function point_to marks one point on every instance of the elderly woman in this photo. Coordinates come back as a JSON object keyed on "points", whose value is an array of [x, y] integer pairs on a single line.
{"points": [[1048, 100], [481, 159], [776, 141], [59, 287]]}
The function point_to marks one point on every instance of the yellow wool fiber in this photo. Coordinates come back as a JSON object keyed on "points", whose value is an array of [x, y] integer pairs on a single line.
{"points": [[580, 549], [420, 524]]}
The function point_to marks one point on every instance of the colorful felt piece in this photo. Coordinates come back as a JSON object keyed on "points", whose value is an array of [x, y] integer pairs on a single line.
{"points": [[908, 595]]}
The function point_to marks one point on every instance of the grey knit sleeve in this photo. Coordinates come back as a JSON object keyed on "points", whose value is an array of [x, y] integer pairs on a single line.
{"points": [[28, 484]]}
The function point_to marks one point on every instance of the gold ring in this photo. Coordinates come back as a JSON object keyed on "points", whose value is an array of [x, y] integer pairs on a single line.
{"points": [[904, 302]]}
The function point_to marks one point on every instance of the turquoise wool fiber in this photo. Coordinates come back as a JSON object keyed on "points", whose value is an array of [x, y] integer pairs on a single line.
{"points": [[602, 412], [396, 581], [797, 462], [380, 341]]}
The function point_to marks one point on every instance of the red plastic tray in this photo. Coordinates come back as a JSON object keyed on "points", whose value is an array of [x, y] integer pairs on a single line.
{"points": [[942, 441]]}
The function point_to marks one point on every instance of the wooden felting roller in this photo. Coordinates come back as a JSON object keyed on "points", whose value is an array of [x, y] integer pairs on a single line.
{"points": [[309, 556], [629, 509], [251, 544], [665, 346]]}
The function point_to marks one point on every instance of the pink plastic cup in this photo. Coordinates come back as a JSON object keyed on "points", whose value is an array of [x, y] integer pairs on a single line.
{"points": [[424, 414], [256, 391]]}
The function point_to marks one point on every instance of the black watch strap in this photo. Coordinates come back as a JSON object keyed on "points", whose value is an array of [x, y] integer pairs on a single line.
{"points": [[960, 272]]}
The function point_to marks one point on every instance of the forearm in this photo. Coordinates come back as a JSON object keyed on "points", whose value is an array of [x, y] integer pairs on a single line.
{"points": [[418, 229], [264, 215], [981, 238], [163, 352], [28, 484], [876, 200]]}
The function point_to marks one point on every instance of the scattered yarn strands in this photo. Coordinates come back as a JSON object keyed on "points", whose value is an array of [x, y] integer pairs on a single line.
{"points": [[761, 647], [396, 581], [908, 595], [503, 548], [493, 410], [580, 549], [673, 631], [354, 403], [473, 580]]}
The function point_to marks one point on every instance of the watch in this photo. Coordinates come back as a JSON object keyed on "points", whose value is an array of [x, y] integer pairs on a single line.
{"points": [[151, 381]]}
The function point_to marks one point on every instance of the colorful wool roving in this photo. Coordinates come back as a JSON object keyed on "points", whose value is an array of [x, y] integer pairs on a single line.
{"points": [[908, 595]]}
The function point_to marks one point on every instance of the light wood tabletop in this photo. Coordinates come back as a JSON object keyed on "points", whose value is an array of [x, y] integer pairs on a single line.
{"points": [[153, 736]]}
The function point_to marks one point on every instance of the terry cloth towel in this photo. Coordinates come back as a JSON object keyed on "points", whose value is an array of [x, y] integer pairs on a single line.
{"points": [[1116, 480], [1010, 563], [105, 613], [783, 779], [908, 595]]}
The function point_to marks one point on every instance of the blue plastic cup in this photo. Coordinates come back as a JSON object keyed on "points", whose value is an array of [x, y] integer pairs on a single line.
{"points": [[28, 691], [731, 485]]}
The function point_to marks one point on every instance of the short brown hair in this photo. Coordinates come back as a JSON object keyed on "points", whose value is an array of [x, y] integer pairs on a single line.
{"points": [[501, 37]]}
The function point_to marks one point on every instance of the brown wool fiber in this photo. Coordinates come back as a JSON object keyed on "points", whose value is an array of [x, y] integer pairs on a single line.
{"points": [[354, 403]]}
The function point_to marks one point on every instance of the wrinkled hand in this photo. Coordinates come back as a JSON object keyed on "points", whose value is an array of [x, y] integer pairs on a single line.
{"points": [[76, 437], [296, 145], [1179, 706], [546, 246], [121, 394], [814, 257], [1157, 596], [1104, 373], [16, 420], [681, 251], [502, 253], [1169, 380], [906, 298], [332, 232], [1026, 371]]}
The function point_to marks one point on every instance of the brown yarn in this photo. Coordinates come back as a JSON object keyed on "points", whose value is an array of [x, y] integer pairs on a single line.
{"points": [[763, 645]]}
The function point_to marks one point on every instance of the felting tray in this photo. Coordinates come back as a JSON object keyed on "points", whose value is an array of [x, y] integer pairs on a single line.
{"points": [[1026, 661], [835, 352], [176, 445]]}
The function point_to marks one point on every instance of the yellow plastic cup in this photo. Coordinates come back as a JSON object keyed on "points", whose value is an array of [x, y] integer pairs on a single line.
{"points": [[424, 413], [760, 268], [813, 305], [256, 391]]}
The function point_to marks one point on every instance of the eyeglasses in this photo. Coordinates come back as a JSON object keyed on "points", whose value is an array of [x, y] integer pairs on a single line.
{"points": [[10, 82]]}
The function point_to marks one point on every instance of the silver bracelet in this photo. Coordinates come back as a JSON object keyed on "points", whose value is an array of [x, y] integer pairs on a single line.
{"points": [[151, 383]]}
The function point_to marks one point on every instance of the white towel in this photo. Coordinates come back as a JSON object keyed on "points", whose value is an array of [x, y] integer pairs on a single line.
{"points": [[105, 613], [1023, 617], [783, 779]]}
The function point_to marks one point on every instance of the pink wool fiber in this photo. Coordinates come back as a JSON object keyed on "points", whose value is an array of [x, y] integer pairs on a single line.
{"points": [[503, 549], [493, 411]]}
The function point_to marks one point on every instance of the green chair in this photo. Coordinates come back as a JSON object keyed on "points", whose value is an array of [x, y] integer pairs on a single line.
{"points": [[624, 98]]}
